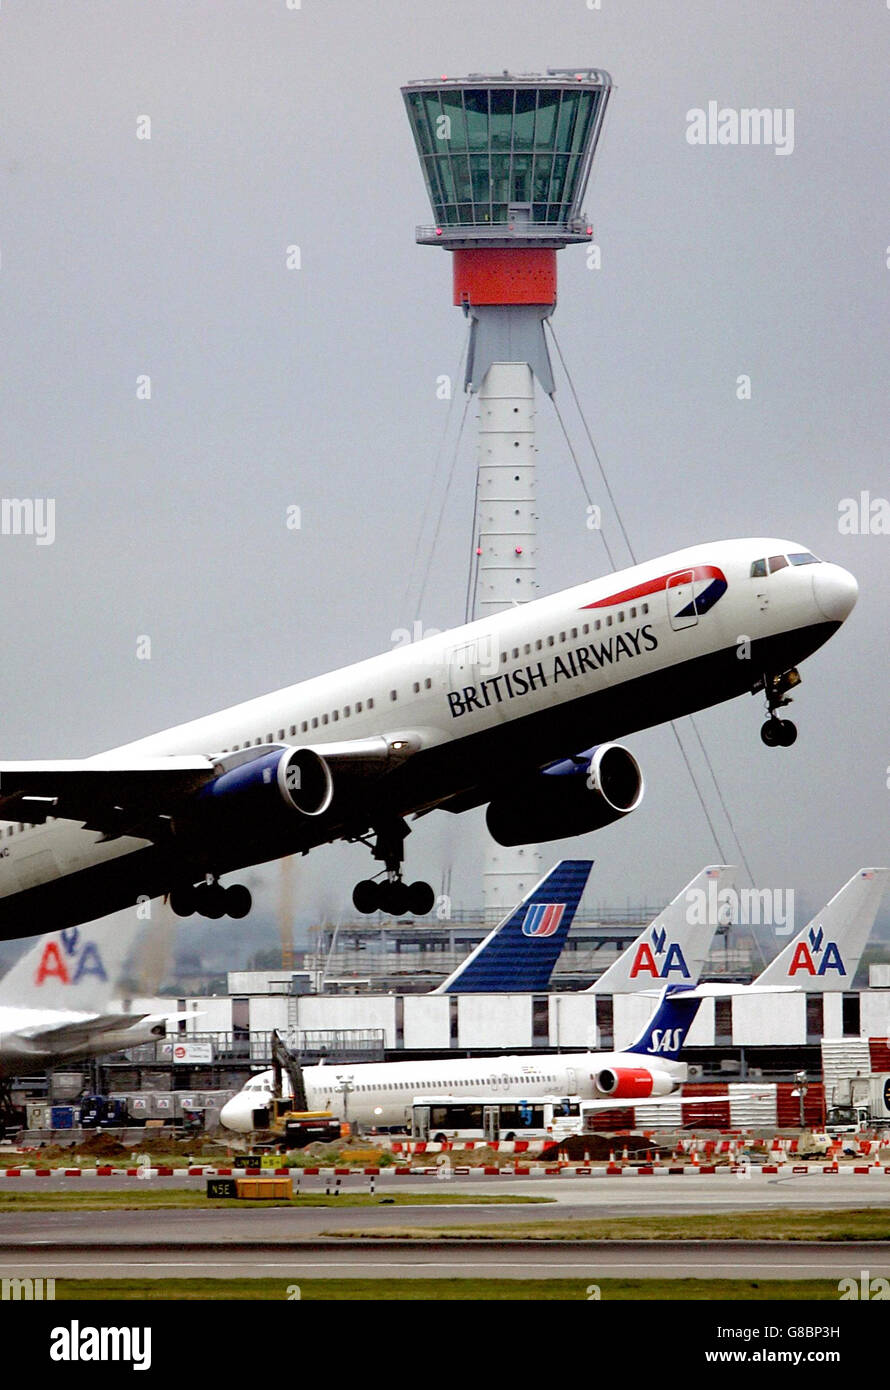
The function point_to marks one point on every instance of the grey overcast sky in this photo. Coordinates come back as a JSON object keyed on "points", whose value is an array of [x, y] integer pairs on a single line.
{"points": [[273, 126]]}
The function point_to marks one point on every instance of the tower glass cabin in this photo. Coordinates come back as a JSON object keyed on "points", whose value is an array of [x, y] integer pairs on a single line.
{"points": [[506, 159]]}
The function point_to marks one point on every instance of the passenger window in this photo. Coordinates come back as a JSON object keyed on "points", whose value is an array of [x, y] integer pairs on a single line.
{"points": [[586, 629], [304, 727], [758, 569], [428, 683], [416, 687], [393, 694], [336, 715], [346, 712], [550, 641], [293, 730], [608, 620], [633, 612], [645, 608], [280, 735], [371, 703], [324, 719], [777, 562], [315, 721], [358, 706], [574, 632], [515, 653]]}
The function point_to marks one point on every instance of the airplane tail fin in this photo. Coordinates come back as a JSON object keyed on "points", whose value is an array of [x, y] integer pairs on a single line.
{"points": [[78, 968], [826, 954], [665, 1033], [674, 947], [521, 951]]}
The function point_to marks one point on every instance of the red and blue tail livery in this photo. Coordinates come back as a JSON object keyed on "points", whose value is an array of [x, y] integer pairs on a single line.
{"points": [[542, 919], [521, 951]]}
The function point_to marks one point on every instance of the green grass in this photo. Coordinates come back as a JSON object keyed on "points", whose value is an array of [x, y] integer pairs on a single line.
{"points": [[153, 1198], [855, 1224], [449, 1290]]}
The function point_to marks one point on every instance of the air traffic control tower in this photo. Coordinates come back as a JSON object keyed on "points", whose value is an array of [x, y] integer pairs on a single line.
{"points": [[506, 161]]}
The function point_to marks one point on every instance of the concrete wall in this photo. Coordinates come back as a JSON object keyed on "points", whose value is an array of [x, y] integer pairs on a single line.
{"points": [[494, 1020], [427, 1020]]}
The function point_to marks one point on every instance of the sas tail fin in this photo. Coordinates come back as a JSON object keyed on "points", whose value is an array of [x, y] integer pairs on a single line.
{"points": [[665, 1033]]}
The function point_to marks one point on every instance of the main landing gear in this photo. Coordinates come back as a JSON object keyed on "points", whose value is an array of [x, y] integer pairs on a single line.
{"points": [[392, 894], [776, 732], [210, 899]]}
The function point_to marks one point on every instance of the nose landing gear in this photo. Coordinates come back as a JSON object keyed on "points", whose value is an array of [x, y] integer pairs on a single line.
{"points": [[392, 895], [776, 732]]}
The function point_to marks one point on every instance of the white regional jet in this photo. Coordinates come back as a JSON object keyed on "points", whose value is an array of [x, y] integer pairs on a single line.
{"points": [[517, 711], [824, 955], [55, 1001]]}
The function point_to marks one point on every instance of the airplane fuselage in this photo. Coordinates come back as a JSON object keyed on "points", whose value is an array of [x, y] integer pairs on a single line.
{"points": [[480, 705]]}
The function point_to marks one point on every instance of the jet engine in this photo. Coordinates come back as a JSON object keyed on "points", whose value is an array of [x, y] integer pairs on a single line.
{"points": [[633, 1083], [569, 797]]}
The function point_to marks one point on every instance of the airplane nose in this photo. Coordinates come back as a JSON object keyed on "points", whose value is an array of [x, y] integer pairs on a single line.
{"points": [[835, 591], [232, 1114]]}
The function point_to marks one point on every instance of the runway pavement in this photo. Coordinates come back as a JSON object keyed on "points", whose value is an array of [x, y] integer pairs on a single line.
{"points": [[586, 1261], [293, 1241]]}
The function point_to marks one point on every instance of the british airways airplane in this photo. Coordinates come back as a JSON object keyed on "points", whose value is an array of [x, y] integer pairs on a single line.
{"points": [[517, 711]]}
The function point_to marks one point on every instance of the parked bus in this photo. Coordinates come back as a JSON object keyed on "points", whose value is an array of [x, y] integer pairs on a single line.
{"points": [[444, 1118]]}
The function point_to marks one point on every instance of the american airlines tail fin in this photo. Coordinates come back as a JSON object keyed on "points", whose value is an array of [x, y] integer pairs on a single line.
{"points": [[674, 947], [77, 969], [826, 954], [521, 951], [665, 1033]]}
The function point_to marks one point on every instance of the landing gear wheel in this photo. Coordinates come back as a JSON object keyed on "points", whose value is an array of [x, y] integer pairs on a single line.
{"points": [[183, 901], [211, 901], [778, 733], [238, 901], [788, 734], [394, 897], [421, 898], [366, 896]]}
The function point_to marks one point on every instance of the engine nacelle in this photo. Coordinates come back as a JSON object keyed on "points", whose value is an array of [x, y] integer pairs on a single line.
{"points": [[283, 781], [633, 1083], [569, 797]]}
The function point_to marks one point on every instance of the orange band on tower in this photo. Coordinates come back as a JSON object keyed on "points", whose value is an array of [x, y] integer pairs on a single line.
{"points": [[506, 275]]}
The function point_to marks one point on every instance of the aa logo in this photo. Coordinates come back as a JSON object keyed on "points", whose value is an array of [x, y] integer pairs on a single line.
{"points": [[817, 957], [645, 963], [68, 960]]}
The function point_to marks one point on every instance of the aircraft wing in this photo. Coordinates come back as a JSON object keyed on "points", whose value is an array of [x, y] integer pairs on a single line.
{"points": [[119, 795], [632, 1102], [72, 1031], [110, 796]]}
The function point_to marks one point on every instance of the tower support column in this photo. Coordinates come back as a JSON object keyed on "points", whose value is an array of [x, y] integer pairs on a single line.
{"points": [[507, 574]]}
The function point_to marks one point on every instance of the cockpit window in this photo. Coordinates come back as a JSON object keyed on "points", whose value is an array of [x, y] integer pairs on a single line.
{"points": [[777, 562], [803, 557], [758, 569]]}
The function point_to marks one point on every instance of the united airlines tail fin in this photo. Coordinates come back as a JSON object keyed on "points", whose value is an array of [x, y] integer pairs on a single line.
{"points": [[674, 947], [826, 954], [78, 969], [521, 951], [665, 1033]]}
